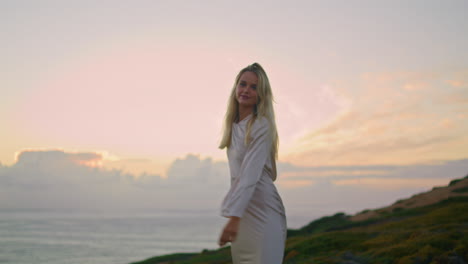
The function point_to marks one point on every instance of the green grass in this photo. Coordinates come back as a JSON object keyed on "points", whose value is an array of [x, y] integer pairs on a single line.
{"points": [[461, 190], [453, 182], [166, 258]]}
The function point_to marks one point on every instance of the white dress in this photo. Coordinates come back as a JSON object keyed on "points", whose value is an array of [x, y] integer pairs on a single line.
{"points": [[253, 197]]}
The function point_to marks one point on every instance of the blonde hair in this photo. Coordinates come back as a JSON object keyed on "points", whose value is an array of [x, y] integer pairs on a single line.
{"points": [[263, 108]]}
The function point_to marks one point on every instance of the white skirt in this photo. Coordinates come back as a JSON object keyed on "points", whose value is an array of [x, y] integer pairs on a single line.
{"points": [[262, 230]]}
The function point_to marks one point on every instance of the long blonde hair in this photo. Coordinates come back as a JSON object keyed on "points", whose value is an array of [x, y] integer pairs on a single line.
{"points": [[263, 108]]}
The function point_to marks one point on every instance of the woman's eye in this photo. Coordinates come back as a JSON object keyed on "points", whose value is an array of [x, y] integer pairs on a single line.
{"points": [[254, 87]]}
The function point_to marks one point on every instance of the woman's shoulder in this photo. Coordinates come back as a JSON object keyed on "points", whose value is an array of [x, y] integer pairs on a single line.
{"points": [[261, 121], [261, 125]]}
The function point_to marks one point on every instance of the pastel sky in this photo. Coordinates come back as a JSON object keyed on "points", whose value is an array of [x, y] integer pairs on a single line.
{"points": [[144, 83]]}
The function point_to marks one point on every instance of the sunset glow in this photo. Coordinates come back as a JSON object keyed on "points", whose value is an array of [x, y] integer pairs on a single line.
{"points": [[138, 91]]}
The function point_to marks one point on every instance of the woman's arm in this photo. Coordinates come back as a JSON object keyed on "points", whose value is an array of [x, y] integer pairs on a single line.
{"points": [[251, 169]]}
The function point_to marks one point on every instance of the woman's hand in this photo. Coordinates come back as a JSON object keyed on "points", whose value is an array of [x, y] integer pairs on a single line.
{"points": [[230, 231]]}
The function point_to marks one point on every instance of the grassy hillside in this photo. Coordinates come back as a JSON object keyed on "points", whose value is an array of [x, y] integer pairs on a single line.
{"points": [[434, 233]]}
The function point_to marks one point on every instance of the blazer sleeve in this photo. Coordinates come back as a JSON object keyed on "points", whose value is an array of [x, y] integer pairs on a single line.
{"points": [[251, 169]]}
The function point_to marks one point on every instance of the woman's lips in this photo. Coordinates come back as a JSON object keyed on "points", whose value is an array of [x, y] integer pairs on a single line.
{"points": [[244, 97]]}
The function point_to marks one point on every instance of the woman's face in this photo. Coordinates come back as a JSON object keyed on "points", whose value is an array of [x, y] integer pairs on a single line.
{"points": [[246, 89]]}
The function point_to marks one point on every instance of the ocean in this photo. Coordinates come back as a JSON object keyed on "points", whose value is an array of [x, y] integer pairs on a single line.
{"points": [[92, 237], [71, 237]]}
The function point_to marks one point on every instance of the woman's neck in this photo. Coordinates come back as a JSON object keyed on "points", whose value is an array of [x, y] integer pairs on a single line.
{"points": [[244, 112]]}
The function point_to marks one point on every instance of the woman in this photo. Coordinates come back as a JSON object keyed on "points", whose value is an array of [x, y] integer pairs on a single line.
{"points": [[257, 221]]}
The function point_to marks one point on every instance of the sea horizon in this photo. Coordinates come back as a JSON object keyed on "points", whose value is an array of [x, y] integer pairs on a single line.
{"points": [[84, 235]]}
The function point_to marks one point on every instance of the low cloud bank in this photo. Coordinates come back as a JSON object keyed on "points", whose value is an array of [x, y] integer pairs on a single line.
{"points": [[58, 179]]}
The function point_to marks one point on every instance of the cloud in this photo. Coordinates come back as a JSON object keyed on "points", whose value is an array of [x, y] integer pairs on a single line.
{"points": [[419, 172], [394, 118], [457, 98], [60, 179], [55, 178], [456, 83], [458, 79], [202, 171], [294, 112], [324, 190], [391, 184]]}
